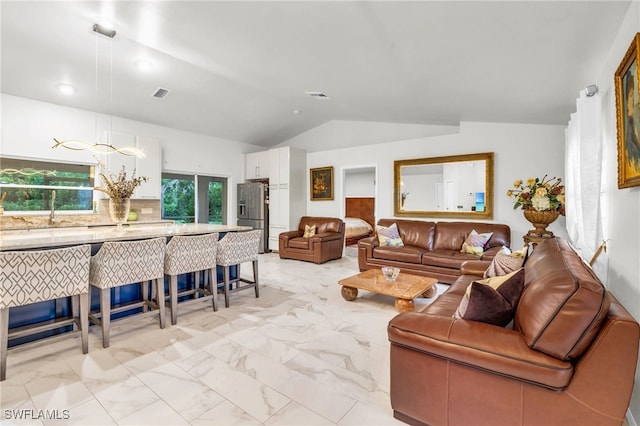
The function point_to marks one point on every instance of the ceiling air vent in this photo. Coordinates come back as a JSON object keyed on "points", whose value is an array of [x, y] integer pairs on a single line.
{"points": [[317, 95], [160, 93]]}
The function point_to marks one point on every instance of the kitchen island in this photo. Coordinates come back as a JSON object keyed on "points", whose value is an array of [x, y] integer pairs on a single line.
{"points": [[41, 239], [62, 237]]}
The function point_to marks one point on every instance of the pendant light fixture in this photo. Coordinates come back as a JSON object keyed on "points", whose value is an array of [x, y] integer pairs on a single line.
{"points": [[101, 148]]}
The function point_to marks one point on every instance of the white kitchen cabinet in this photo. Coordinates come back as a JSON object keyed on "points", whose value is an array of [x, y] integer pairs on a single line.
{"points": [[287, 191], [279, 166], [116, 161], [149, 166], [257, 165]]}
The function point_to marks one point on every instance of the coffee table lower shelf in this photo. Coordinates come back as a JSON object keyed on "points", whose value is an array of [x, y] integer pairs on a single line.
{"points": [[406, 287]]}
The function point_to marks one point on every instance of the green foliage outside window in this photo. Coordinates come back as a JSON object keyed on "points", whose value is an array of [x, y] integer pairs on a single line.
{"points": [[178, 200], [215, 202], [33, 191]]}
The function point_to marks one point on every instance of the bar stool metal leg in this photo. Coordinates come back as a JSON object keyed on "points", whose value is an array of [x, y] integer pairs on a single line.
{"points": [[4, 341], [255, 277], [160, 293], [105, 315]]}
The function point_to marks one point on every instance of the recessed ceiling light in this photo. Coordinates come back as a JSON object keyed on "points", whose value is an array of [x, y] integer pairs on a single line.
{"points": [[297, 111], [105, 23], [66, 89], [144, 65]]}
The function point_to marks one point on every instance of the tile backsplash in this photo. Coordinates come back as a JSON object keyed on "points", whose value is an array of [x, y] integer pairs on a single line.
{"points": [[148, 211]]}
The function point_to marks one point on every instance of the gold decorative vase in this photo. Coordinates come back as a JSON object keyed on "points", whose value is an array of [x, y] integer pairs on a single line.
{"points": [[540, 220], [119, 210]]}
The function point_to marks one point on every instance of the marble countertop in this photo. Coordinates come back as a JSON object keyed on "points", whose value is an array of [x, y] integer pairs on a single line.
{"points": [[58, 237]]}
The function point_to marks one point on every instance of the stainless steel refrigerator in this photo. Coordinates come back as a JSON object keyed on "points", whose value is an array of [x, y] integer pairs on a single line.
{"points": [[253, 209]]}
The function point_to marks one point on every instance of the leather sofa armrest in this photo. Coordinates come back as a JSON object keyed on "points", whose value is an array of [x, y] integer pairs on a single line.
{"points": [[484, 346], [368, 245], [286, 236], [491, 252], [474, 267]]}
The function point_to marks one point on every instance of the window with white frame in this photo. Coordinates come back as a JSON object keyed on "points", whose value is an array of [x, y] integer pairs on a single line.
{"points": [[29, 185]]}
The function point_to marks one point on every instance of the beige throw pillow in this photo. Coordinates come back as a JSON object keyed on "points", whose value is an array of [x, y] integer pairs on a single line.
{"points": [[506, 262], [309, 231]]}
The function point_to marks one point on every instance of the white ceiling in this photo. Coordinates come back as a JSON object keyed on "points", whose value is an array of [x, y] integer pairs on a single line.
{"points": [[238, 70]]}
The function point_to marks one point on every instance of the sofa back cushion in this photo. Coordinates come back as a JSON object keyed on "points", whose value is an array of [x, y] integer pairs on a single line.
{"points": [[563, 303], [323, 225], [414, 233], [451, 235]]}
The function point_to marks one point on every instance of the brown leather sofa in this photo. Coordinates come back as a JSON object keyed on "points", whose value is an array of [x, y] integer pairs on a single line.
{"points": [[325, 245], [430, 249], [570, 358]]}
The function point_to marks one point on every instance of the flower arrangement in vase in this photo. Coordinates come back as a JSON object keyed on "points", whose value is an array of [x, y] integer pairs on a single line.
{"points": [[542, 201], [120, 189]]}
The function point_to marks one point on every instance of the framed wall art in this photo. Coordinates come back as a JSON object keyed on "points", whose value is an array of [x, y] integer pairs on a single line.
{"points": [[628, 117], [321, 181]]}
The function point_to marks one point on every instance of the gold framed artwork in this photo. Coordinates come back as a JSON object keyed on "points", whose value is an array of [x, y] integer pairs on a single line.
{"points": [[321, 181], [628, 117]]}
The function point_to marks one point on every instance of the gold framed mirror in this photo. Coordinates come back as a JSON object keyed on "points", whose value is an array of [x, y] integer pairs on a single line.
{"points": [[456, 186]]}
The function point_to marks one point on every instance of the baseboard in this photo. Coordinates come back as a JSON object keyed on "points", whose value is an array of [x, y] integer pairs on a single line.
{"points": [[630, 420]]}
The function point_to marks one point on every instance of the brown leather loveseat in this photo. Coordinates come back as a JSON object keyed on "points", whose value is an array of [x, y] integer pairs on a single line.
{"points": [[326, 244], [430, 249], [570, 358]]}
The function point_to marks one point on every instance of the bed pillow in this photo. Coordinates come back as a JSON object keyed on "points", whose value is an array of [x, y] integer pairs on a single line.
{"points": [[492, 300], [475, 243], [389, 236], [309, 231], [505, 262]]}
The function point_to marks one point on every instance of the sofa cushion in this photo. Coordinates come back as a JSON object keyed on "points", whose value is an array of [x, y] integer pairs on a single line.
{"points": [[416, 233], [324, 225], [492, 300], [506, 262], [299, 243], [399, 254], [309, 231], [563, 304], [446, 258], [388, 236], [475, 243], [451, 235]]}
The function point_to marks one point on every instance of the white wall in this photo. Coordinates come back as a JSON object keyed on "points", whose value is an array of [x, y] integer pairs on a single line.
{"points": [[521, 151], [28, 129], [360, 183], [622, 206]]}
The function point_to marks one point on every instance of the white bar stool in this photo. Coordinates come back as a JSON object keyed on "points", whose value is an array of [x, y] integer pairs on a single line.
{"points": [[236, 248], [28, 277], [186, 254], [122, 263]]}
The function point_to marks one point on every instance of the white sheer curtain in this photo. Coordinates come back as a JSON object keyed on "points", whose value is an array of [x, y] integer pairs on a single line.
{"points": [[583, 168]]}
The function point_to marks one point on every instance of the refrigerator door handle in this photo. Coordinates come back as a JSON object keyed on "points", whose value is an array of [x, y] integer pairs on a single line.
{"points": [[242, 211]]}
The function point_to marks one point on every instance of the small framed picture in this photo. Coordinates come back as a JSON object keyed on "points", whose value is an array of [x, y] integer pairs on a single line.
{"points": [[628, 117], [321, 181]]}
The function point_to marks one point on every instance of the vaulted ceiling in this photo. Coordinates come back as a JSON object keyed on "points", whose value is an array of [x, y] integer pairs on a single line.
{"points": [[239, 69]]}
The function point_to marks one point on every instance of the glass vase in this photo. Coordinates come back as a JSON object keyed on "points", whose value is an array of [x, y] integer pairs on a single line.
{"points": [[119, 210]]}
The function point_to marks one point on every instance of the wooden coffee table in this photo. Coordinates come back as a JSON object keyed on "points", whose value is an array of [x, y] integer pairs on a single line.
{"points": [[406, 287]]}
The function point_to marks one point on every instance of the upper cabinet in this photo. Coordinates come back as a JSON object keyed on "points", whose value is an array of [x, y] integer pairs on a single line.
{"points": [[115, 162], [149, 166], [279, 166], [257, 165]]}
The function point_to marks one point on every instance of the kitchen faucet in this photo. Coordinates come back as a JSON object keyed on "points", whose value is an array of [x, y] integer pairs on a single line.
{"points": [[53, 206]]}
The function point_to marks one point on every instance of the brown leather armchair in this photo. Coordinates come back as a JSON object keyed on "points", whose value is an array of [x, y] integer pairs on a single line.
{"points": [[325, 245]]}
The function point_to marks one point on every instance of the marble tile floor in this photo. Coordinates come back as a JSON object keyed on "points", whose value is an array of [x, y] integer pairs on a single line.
{"points": [[298, 355]]}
